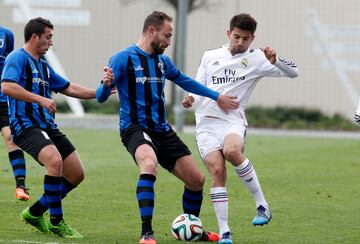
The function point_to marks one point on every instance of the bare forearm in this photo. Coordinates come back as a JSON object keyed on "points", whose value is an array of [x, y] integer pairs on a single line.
{"points": [[78, 91], [15, 91]]}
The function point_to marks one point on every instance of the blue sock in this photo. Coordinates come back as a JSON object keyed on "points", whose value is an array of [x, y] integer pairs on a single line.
{"points": [[52, 189], [18, 165], [192, 201], [41, 205], [145, 196]]}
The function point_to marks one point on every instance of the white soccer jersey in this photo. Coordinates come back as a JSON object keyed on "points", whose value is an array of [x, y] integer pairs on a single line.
{"points": [[235, 75]]}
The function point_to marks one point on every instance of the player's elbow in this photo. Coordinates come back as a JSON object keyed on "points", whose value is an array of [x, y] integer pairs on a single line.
{"points": [[5, 89]]}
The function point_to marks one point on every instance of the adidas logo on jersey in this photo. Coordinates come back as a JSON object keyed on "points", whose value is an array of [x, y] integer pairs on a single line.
{"points": [[139, 68], [216, 63]]}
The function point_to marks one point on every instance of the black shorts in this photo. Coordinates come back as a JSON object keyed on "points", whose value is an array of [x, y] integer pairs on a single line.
{"points": [[35, 139], [4, 115], [168, 146]]}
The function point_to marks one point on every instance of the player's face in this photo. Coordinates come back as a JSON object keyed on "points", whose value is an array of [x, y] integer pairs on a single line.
{"points": [[44, 42], [161, 39], [239, 40]]}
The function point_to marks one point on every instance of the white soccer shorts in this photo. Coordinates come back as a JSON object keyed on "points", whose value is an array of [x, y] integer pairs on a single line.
{"points": [[211, 132]]}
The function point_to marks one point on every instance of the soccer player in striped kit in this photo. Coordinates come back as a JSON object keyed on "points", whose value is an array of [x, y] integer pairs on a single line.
{"points": [[28, 81], [140, 72], [16, 155], [233, 69]]}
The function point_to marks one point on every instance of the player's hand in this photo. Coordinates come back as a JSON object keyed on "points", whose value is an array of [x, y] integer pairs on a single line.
{"points": [[188, 101], [357, 118], [108, 76], [226, 102], [270, 54], [49, 104]]}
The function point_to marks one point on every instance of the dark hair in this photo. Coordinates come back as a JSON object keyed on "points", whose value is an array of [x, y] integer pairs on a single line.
{"points": [[156, 19], [36, 26], [243, 22]]}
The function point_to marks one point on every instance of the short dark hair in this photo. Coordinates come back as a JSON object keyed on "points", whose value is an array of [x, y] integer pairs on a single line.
{"points": [[243, 22], [36, 26], [156, 19]]}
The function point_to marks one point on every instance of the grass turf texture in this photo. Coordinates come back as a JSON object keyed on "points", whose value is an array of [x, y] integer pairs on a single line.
{"points": [[312, 185]]}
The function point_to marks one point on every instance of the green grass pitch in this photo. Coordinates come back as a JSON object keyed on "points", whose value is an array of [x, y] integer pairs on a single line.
{"points": [[311, 184]]}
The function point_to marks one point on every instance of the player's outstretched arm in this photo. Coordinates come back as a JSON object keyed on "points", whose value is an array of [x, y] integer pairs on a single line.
{"points": [[287, 68], [78, 91]]}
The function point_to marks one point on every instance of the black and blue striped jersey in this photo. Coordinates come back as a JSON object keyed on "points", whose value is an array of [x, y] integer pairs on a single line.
{"points": [[140, 81], [6, 47], [35, 76]]}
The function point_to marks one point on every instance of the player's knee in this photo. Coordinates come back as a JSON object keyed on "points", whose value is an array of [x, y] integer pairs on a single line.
{"points": [[196, 183], [199, 182], [233, 154], [148, 165], [54, 164]]}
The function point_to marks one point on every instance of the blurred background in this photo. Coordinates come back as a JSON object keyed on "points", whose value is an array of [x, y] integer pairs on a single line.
{"points": [[321, 36]]}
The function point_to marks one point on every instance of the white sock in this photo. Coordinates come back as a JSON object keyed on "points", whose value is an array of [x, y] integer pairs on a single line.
{"points": [[219, 198], [247, 174]]}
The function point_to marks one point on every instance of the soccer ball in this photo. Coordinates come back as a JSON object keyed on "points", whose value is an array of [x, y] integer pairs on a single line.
{"points": [[187, 227]]}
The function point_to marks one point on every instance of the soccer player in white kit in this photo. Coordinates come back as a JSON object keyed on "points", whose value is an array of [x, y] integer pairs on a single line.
{"points": [[233, 69]]}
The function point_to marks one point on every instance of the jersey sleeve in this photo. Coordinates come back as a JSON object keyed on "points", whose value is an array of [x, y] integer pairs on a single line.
{"points": [[201, 77], [172, 72], [13, 67], [116, 63], [57, 82], [281, 68]]}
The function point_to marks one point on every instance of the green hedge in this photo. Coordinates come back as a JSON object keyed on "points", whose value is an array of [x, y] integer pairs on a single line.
{"points": [[297, 118], [277, 117]]}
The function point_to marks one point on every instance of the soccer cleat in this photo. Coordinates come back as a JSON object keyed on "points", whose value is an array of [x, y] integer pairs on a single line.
{"points": [[22, 194], [263, 216], [225, 238], [210, 236], [148, 238], [64, 230], [37, 222]]}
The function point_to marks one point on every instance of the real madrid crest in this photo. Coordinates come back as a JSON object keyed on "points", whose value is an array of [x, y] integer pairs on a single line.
{"points": [[244, 63]]}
